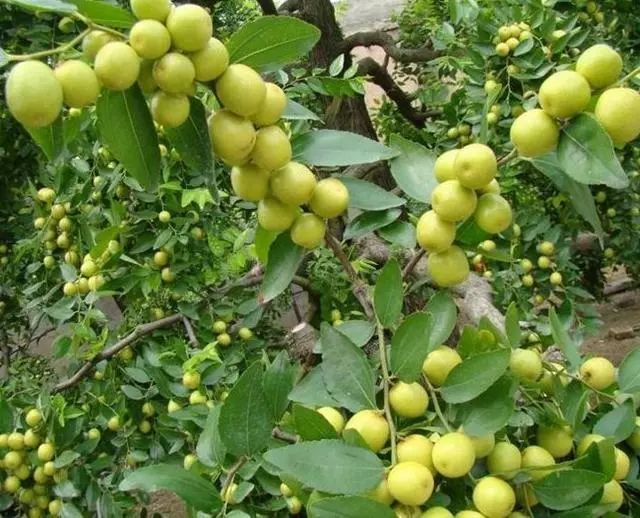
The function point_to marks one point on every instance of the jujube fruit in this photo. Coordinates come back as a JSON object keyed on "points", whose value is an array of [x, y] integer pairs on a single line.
{"points": [[241, 90], [211, 61], [79, 83], [308, 231], [190, 26], [117, 66], [272, 149], [293, 184], [170, 110], [272, 107], [174, 73]]}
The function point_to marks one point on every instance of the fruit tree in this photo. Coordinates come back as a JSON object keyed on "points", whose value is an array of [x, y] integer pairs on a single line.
{"points": [[269, 302]]}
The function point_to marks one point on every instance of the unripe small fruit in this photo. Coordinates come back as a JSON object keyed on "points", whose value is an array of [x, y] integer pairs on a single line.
{"points": [[493, 213], [544, 262], [555, 278], [113, 423], [174, 73], [79, 83], [416, 448], [381, 493], [272, 107], [285, 490], [150, 39], [250, 182], [439, 363], [12, 484], [55, 507], [505, 460], [228, 494], [535, 133], [330, 198], [170, 111], [190, 26], [448, 268], [241, 90], [293, 184], [452, 201], [15, 441], [512, 43], [164, 216], [274, 215], [117, 66], [12, 460], [546, 248], [526, 365], [483, 445], [46, 452], [526, 265], [558, 441], [211, 62], [335, 418], [502, 49], [613, 495], [433, 233], [232, 137], [197, 398], [167, 275], [475, 166], [94, 41], [93, 434], [453, 455], [224, 339], [537, 457], [564, 94], [272, 149], [191, 380], [173, 406], [408, 400], [151, 9], [373, 428], [410, 483], [219, 326], [494, 498], [33, 417], [46, 195], [308, 231]]}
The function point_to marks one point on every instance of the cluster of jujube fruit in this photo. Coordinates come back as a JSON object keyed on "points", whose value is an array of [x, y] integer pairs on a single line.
{"points": [[567, 93], [467, 187]]}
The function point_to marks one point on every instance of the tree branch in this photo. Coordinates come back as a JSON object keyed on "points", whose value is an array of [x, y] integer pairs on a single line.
{"points": [[268, 7], [384, 40], [289, 6], [139, 331], [190, 332], [412, 264], [381, 77]]}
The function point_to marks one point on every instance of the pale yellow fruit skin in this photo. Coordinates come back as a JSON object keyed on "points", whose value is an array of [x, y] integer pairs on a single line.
{"points": [[494, 497], [381, 493], [557, 441], [439, 363], [274, 215], [600, 65], [410, 483], [94, 41], [210, 62], [330, 198], [535, 133], [448, 268], [150, 39], [613, 495], [433, 233], [372, 426], [232, 137], [33, 417], [443, 168], [272, 149], [587, 441], [190, 26], [564, 94], [453, 202], [537, 457], [525, 365], [416, 448], [618, 110], [436, 512], [334, 417], [308, 231], [117, 66], [80, 85], [408, 399], [293, 184], [505, 459], [493, 213], [475, 166], [151, 9], [174, 73], [634, 438], [599, 373], [34, 95], [623, 464], [250, 182], [170, 110], [483, 445], [272, 107], [241, 90], [469, 514], [453, 455]]}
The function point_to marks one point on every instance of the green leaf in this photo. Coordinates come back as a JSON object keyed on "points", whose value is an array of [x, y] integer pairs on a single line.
{"points": [[245, 422], [192, 142], [284, 259], [399, 233], [56, 6], [193, 489], [566, 489], [445, 313], [132, 392], [200, 196], [573, 402], [295, 111], [263, 241], [271, 42], [312, 426], [102, 240], [619, 423], [105, 14], [563, 340], [50, 139], [210, 449], [600, 457], [410, 346], [368, 222], [137, 375], [412, 169], [512, 325], [279, 380], [6, 416], [65, 458], [629, 372], [4, 58], [368, 196], [346, 371], [349, 507], [586, 154], [127, 128], [312, 390], [358, 331], [70, 511], [330, 466], [388, 294], [331, 148], [579, 194], [474, 376], [490, 411]]}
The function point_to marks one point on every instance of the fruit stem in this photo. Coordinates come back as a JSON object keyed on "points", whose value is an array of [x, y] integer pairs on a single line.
{"points": [[231, 475], [512, 154], [385, 386], [91, 25], [436, 404], [628, 77], [44, 53]]}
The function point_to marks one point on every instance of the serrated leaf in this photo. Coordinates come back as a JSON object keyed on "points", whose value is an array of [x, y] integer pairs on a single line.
{"points": [[410, 346], [284, 259], [126, 127], [388, 294], [346, 371], [329, 465], [193, 489], [245, 422]]}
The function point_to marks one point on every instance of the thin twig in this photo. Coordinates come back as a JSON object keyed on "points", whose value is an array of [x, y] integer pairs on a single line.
{"points": [[512, 154], [278, 433], [139, 331], [44, 53], [231, 474], [436, 404], [386, 382], [190, 332], [412, 264]]}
